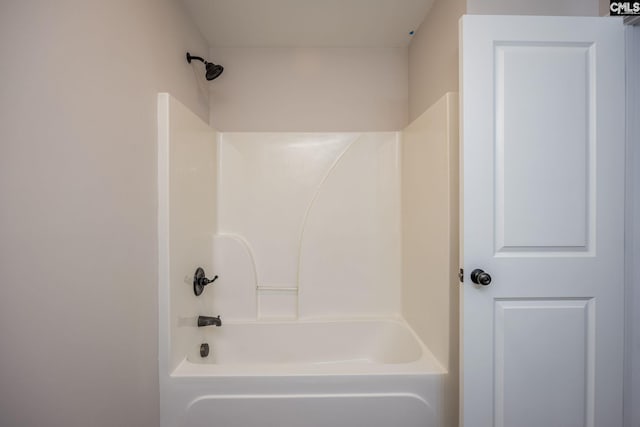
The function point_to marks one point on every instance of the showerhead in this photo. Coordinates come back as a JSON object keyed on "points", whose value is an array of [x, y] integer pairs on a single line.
{"points": [[212, 70]]}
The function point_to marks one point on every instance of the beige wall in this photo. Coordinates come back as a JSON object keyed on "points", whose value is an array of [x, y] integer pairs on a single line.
{"points": [[309, 89], [78, 240], [433, 56]]}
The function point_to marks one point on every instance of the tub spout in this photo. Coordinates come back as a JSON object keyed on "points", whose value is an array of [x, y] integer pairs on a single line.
{"points": [[209, 321]]}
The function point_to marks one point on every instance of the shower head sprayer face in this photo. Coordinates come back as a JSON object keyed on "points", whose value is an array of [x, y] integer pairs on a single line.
{"points": [[213, 70]]}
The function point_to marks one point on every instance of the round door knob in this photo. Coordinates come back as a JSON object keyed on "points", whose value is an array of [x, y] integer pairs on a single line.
{"points": [[479, 277]]}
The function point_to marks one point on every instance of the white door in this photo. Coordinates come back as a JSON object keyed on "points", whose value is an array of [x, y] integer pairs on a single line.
{"points": [[543, 164]]}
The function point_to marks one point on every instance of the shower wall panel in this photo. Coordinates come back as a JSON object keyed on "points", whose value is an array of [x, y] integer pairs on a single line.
{"points": [[430, 226], [186, 198], [430, 288], [315, 220]]}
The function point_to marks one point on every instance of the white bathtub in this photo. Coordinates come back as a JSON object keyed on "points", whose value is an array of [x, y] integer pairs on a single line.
{"points": [[373, 373]]}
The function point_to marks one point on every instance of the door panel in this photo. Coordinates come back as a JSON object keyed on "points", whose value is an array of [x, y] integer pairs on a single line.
{"points": [[553, 369], [542, 186], [543, 178]]}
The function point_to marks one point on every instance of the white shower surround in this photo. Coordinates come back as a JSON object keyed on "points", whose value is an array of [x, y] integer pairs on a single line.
{"points": [[330, 347]]}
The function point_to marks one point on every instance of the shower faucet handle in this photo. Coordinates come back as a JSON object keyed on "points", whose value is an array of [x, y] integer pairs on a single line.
{"points": [[200, 281]]}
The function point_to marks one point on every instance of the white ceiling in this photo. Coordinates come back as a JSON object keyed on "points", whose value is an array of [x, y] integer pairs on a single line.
{"points": [[308, 23]]}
